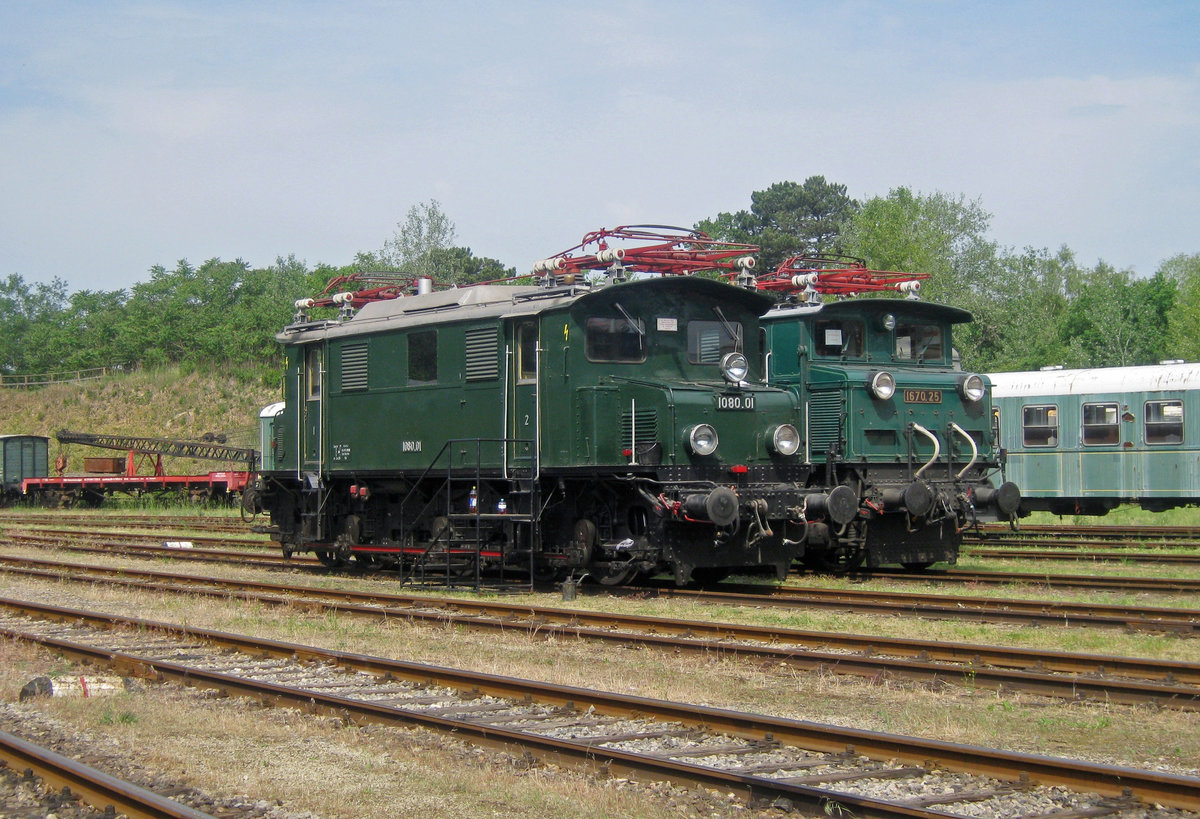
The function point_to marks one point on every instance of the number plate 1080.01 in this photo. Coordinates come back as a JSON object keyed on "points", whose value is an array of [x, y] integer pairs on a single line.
{"points": [[922, 396], [735, 402]]}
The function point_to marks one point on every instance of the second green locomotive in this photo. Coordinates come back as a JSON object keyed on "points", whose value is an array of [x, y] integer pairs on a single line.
{"points": [[616, 427]]}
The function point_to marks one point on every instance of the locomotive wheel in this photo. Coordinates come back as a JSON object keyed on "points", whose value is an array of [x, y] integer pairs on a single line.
{"points": [[330, 558]]}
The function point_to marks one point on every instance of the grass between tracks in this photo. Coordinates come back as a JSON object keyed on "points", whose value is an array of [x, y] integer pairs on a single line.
{"points": [[1139, 736]]}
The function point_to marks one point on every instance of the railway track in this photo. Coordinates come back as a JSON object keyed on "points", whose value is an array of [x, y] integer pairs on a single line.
{"points": [[67, 779], [935, 606], [1067, 675], [765, 759], [990, 531], [945, 577], [1051, 554]]}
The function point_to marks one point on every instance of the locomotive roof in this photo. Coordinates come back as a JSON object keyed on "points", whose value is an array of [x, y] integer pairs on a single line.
{"points": [[908, 307], [1149, 378], [500, 301]]}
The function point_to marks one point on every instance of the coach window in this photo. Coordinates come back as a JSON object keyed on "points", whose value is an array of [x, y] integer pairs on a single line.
{"points": [[527, 352], [312, 371], [1164, 422], [1039, 425], [835, 339], [1101, 424], [708, 341], [422, 357], [615, 340], [919, 342]]}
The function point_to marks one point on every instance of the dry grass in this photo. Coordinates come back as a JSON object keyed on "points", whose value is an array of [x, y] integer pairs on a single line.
{"points": [[157, 403], [1139, 736]]}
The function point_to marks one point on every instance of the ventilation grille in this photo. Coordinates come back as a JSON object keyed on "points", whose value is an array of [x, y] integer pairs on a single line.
{"points": [[825, 411], [647, 428], [354, 367], [482, 361]]}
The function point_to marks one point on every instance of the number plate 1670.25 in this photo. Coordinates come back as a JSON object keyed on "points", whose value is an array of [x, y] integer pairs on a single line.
{"points": [[922, 396]]}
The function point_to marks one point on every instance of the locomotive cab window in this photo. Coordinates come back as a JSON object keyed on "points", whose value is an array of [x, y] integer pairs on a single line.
{"points": [[422, 357], [312, 372], [1039, 425], [919, 342], [708, 341], [615, 340], [1101, 424], [1164, 422], [835, 338], [527, 339]]}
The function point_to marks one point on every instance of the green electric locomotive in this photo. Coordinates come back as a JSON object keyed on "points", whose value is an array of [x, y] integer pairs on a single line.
{"points": [[622, 418], [886, 410], [610, 428]]}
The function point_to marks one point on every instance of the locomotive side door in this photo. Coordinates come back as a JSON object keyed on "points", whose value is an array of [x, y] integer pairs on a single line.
{"points": [[312, 408], [524, 405]]}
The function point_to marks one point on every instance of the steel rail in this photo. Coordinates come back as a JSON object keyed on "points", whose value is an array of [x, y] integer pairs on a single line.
{"points": [[94, 787], [1162, 682], [942, 606], [1173, 558], [1167, 585], [1110, 780], [957, 607], [986, 530]]}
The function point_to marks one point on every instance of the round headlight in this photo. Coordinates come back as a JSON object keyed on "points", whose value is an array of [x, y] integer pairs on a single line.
{"points": [[702, 439], [735, 367], [971, 388], [784, 439], [882, 385], [887, 322]]}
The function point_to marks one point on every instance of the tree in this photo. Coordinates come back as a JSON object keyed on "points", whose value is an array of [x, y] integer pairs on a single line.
{"points": [[788, 219], [1183, 323], [1115, 320], [426, 230]]}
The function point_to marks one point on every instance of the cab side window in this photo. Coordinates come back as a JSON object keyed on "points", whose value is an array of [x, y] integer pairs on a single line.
{"points": [[615, 340], [919, 342], [708, 341], [422, 357], [837, 338]]}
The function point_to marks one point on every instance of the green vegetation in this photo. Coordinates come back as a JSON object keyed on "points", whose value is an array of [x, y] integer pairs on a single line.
{"points": [[1032, 307]]}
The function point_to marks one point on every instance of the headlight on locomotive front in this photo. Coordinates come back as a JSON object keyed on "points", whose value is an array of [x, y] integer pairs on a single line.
{"points": [[971, 388], [882, 385], [735, 367], [783, 439], [702, 439]]}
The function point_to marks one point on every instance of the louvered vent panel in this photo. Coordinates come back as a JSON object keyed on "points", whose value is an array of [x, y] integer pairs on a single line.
{"points": [[354, 367], [824, 420], [647, 428], [482, 361]]}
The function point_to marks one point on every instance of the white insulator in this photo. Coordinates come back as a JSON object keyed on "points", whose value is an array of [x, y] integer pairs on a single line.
{"points": [[910, 287], [805, 279], [610, 254], [303, 304], [343, 298], [745, 262], [549, 265], [424, 286]]}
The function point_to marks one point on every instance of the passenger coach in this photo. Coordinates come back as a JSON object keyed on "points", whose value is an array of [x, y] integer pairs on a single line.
{"points": [[1085, 441]]}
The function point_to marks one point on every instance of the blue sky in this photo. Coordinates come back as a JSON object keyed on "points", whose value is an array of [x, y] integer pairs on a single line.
{"points": [[140, 133]]}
